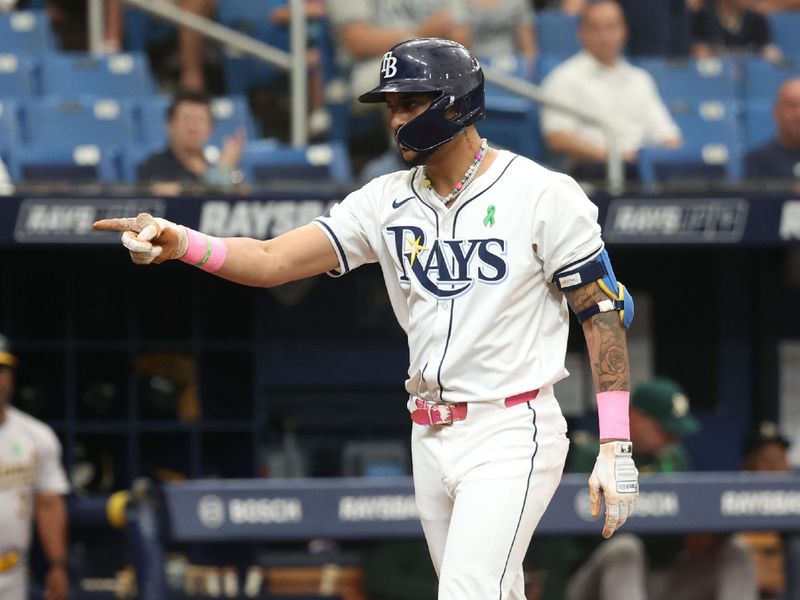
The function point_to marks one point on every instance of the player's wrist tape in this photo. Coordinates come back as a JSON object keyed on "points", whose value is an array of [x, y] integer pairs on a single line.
{"points": [[613, 415], [204, 251]]}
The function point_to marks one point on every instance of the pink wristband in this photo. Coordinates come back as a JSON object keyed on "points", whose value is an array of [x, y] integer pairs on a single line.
{"points": [[204, 251], [612, 412]]}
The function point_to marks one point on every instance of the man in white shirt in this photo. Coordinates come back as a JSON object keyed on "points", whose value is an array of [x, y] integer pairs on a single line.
{"points": [[32, 485], [599, 80]]}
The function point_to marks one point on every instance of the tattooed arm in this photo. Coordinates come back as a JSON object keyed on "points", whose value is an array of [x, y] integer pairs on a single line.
{"points": [[605, 340]]}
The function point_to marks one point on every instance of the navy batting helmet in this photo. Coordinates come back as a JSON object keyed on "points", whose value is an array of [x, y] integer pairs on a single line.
{"points": [[433, 65]]}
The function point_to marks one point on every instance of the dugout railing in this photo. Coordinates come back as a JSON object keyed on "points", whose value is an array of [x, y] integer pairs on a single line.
{"points": [[271, 511]]}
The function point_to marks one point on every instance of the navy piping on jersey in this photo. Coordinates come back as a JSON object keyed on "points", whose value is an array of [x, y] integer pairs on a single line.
{"points": [[338, 245], [578, 261], [428, 206], [453, 301], [524, 499], [446, 346]]}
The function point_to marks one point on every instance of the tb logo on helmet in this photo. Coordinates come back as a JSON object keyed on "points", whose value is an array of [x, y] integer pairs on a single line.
{"points": [[388, 66]]}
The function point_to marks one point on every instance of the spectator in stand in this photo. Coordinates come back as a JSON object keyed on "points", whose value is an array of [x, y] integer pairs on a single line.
{"points": [[766, 450], [364, 29], [503, 28], [655, 27], [780, 157], [661, 567], [183, 163], [723, 27], [599, 81]]}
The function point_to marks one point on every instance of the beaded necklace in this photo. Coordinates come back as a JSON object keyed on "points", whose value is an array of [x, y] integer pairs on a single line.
{"points": [[473, 168]]}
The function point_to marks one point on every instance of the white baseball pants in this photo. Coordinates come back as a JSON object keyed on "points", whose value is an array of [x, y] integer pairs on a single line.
{"points": [[482, 485]]}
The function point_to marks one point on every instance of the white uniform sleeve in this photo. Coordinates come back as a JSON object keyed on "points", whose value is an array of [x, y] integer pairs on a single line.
{"points": [[349, 226], [50, 476], [565, 229], [660, 125]]}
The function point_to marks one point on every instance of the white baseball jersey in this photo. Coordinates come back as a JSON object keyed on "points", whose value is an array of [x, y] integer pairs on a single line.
{"points": [[30, 463], [471, 284]]}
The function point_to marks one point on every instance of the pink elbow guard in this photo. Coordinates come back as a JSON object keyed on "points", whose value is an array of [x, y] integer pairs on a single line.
{"points": [[204, 251], [613, 414]]}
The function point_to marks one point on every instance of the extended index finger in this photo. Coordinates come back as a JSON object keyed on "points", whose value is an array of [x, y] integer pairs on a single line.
{"points": [[117, 224]]}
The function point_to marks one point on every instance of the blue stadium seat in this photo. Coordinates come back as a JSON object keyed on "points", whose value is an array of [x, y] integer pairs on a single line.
{"points": [[513, 65], [151, 118], [266, 161], [545, 65], [242, 73], [58, 122], [759, 126], [84, 163], [688, 81], [785, 27], [117, 75], [239, 11], [10, 126], [26, 31], [251, 18], [513, 123], [761, 79], [712, 147], [557, 33], [230, 113], [17, 76]]}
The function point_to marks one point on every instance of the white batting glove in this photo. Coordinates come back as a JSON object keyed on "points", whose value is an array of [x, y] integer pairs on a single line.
{"points": [[614, 476], [148, 238]]}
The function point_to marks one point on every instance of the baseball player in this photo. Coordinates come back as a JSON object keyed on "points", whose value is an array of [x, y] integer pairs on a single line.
{"points": [[32, 483], [479, 249]]}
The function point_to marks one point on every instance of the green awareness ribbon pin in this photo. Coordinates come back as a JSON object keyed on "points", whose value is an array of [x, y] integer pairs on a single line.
{"points": [[489, 220]]}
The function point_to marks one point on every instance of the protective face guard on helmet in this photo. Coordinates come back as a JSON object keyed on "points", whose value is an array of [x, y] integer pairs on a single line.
{"points": [[433, 127]]}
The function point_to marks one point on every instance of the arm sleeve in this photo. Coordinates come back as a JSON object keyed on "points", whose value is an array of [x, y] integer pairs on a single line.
{"points": [[50, 476], [565, 229], [349, 227]]}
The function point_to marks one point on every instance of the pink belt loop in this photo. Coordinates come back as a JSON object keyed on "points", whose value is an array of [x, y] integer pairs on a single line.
{"points": [[521, 398]]}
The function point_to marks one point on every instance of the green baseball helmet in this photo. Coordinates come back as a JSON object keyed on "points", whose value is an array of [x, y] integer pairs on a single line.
{"points": [[665, 400]]}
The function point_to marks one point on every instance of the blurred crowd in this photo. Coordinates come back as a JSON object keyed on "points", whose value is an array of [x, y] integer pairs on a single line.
{"points": [[594, 57]]}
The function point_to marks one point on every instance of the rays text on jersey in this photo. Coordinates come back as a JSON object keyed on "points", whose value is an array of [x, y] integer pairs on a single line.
{"points": [[447, 268]]}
